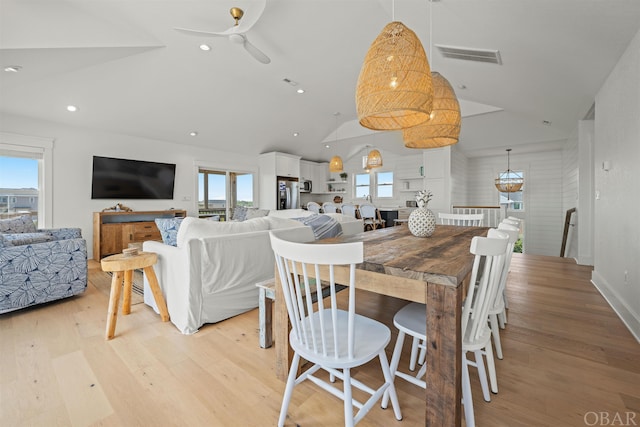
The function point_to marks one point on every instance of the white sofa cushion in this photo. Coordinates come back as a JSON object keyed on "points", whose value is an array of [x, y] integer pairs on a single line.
{"points": [[290, 213], [195, 228]]}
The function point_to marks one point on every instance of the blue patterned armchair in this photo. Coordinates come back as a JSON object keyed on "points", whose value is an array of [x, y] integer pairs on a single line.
{"points": [[37, 266]]}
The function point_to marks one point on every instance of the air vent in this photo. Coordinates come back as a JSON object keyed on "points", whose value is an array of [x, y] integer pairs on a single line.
{"points": [[467, 54]]}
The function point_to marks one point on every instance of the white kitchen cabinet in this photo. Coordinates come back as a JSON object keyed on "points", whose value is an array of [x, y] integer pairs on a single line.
{"points": [[272, 165]]}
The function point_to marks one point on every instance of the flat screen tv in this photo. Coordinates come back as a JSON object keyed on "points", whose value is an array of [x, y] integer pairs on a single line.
{"points": [[131, 179]]}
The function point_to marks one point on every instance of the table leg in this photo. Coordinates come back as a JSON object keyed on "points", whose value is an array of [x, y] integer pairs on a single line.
{"points": [[281, 322], [126, 297], [114, 298], [157, 293], [444, 355], [265, 314]]}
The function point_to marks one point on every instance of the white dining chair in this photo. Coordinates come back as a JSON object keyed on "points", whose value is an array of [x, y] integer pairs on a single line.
{"points": [[348, 209], [331, 339], [511, 221], [370, 216], [411, 320], [467, 220], [313, 207], [329, 207], [507, 227]]}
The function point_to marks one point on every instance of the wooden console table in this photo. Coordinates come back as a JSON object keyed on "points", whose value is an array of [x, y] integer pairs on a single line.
{"points": [[113, 231]]}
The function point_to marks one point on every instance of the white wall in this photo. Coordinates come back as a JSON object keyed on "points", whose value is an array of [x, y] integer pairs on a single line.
{"points": [[585, 224], [459, 177], [73, 151], [570, 178], [617, 234], [543, 216]]}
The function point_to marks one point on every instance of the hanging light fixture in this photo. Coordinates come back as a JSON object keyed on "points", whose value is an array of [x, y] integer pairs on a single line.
{"points": [[374, 159], [509, 181], [335, 164], [394, 86], [443, 127]]}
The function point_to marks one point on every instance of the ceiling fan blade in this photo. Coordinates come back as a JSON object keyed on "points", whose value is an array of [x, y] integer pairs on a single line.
{"points": [[255, 52], [190, 32]]}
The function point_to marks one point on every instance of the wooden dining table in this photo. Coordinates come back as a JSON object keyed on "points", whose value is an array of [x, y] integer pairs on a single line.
{"points": [[429, 270]]}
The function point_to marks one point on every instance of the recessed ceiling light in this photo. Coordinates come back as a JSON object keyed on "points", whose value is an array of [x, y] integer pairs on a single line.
{"points": [[300, 91], [327, 146], [12, 68], [193, 133], [205, 47], [289, 81], [546, 122], [72, 108], [296, 133], [462, 87]]}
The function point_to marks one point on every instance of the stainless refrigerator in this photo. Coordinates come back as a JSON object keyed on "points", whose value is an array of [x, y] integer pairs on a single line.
{"points": [[288, 193]]}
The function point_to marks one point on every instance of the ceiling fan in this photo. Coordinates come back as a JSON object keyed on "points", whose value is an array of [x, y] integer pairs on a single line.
{"points": [[236, 34]]}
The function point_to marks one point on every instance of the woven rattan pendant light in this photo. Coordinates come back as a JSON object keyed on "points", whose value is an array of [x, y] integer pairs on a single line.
{"points": [[335, 164], [374, 159], [394, 87], [443, 126]]}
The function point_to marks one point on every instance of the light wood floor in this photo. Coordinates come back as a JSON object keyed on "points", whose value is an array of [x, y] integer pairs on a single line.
{"points": [[567, 355]]}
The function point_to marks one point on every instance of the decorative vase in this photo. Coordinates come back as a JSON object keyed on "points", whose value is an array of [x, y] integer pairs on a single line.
{"points": [[422, 221]]}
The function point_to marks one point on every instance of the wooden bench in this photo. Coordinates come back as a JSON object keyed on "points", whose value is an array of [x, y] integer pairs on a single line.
{"points": [[265, 308]]}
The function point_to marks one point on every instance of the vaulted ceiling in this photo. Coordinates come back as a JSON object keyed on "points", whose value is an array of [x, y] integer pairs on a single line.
{"points": [[128, 71]]}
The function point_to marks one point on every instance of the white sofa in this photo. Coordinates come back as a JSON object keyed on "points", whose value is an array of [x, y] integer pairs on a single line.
{"points": [[349, 224], [211, 274]]}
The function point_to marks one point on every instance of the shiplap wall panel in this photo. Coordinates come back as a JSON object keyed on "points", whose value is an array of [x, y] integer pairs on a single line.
{"points": [[459, 166], [543, 216], [570, 157]]}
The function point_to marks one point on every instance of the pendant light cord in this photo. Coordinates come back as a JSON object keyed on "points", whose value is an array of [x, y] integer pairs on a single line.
{"points": [[393, 10]]}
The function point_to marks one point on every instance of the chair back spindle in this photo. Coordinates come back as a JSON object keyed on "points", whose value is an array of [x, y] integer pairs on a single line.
{"points": [[465, 220]]}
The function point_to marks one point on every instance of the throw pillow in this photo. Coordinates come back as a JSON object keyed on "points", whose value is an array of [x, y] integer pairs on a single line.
{"points": [[256, 213], [239, 213], [169, 229], [21, 224], [19, 239], [213, 218]]}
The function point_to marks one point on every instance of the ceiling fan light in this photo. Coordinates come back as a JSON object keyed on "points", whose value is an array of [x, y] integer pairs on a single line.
{"points": [[394, 86], [335, 165], [443, 128]]}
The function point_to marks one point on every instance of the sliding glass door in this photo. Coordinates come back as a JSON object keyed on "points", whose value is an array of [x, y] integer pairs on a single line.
{"points": [[220, 191]]}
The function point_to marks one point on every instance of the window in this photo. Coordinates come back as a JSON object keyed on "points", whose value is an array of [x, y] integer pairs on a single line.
{"points": [[220, 191], [384, 184], [26, 164], [19, 183], [363, 185], [515, 201]]}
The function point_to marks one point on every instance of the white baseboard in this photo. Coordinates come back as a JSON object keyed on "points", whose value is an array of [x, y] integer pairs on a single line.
{"points": [[631, 321]]}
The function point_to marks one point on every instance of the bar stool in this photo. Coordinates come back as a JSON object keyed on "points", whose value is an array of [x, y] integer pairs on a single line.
{"points": [[122, 267]]}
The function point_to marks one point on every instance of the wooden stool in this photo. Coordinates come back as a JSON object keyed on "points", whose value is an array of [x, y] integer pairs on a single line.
{"points": [[122, 267]]}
